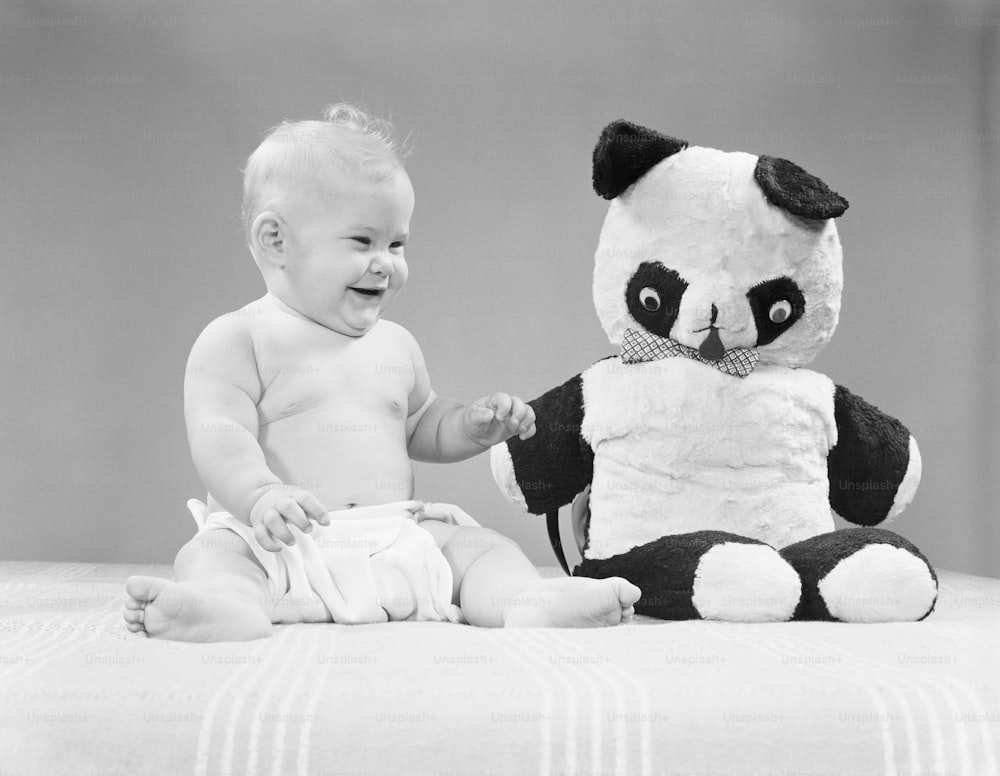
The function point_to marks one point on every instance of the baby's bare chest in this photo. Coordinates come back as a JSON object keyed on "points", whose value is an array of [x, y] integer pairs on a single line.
{"points": [[313, 374]]}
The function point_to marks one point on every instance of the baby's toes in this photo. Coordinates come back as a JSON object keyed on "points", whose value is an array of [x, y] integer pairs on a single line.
{"points": [[627, 593], [133, 615], [143, 589]]}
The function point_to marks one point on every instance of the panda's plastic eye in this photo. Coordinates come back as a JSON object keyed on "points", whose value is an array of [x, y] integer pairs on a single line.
{"points": [[780, 311], [649, 299]]}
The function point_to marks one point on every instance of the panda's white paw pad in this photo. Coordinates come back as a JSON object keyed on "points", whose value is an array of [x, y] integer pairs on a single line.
{"points": [[745, 583], [879, 583]]}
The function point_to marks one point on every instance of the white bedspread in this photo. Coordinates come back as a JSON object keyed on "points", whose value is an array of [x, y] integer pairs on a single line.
{"points": [[80, 695]]}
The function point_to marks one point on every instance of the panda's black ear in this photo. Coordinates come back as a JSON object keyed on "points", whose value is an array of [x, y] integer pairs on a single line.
{"points": [[790, 187], [625, 152]]}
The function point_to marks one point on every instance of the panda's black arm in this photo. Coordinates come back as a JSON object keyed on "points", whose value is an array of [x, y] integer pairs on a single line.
{"points": [[556, 463], [869, 463]]}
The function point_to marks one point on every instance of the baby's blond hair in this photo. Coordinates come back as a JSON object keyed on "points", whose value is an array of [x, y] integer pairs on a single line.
{"points": [[346, 137]]}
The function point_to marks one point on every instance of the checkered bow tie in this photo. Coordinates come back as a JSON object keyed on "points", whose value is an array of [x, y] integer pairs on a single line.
{"points": [[642, 346]]}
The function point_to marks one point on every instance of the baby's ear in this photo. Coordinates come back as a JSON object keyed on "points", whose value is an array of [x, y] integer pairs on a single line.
{"points": [[267, 239], [625, 152]]}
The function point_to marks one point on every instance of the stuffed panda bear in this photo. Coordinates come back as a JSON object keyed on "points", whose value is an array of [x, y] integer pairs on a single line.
{"points": [[710, 462]]}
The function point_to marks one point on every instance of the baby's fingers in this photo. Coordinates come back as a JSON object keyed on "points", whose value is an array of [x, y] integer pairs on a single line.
{"points": [[501, 404], [271, 527], [264, 538], [480, 415], [313, 509], [517, 410], [291, 512], [522, 419]]}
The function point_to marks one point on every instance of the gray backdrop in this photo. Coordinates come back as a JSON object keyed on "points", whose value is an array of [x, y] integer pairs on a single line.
{"points": [[125, 125]]}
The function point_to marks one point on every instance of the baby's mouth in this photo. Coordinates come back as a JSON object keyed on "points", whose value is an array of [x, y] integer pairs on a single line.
{"points": [[368, 291]]}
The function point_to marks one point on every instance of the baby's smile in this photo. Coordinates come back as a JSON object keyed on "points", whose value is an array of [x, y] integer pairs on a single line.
{"points": [[373, 292]]}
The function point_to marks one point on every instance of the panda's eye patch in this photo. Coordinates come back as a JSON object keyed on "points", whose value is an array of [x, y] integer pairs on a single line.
{"points": [[653, 296], [780, 311], [776, 304], [649, 299]]}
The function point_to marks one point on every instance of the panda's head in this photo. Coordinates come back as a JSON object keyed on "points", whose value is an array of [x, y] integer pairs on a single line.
{"points": [[715, 250]]}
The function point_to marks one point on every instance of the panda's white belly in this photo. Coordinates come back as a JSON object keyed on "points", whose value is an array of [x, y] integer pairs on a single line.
{"points": [[679, 446]]}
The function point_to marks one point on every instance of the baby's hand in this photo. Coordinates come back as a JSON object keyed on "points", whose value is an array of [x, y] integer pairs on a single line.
{"points": [[497, 418], [281, 505]]}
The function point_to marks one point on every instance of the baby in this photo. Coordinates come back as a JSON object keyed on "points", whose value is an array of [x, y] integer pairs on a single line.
{"points": [[307, 400]]}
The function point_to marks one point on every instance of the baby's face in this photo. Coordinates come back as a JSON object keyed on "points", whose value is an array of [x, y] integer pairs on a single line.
{"points": [[344, 244]]}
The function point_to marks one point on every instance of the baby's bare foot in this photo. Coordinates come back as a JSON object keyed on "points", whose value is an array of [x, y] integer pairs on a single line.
{"points": [[572, 602], [187, 611]]}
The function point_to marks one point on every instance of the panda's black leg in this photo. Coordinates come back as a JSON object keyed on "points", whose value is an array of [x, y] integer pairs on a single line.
{"points": [[862, 575], [709, 575]]}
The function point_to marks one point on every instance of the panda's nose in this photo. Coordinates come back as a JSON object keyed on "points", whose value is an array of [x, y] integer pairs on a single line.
{"points": [[711, 347]]}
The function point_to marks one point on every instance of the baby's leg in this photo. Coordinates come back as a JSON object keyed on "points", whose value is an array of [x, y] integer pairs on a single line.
{"points": [[221, 594], [496, 585]]}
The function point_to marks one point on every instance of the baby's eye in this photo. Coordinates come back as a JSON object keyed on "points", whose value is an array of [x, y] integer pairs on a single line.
{"points": [[398, 245], [362, 240]]}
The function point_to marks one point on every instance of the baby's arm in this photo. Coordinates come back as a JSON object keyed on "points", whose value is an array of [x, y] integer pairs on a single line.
{"points": [[221, 392], [443, 430]]}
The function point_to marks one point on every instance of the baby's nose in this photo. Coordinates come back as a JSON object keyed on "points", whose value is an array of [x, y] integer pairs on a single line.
{"points": [[382, 264]]}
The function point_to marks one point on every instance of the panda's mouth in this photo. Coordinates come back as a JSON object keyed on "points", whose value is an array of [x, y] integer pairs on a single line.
{"points": [[711, 348]]}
